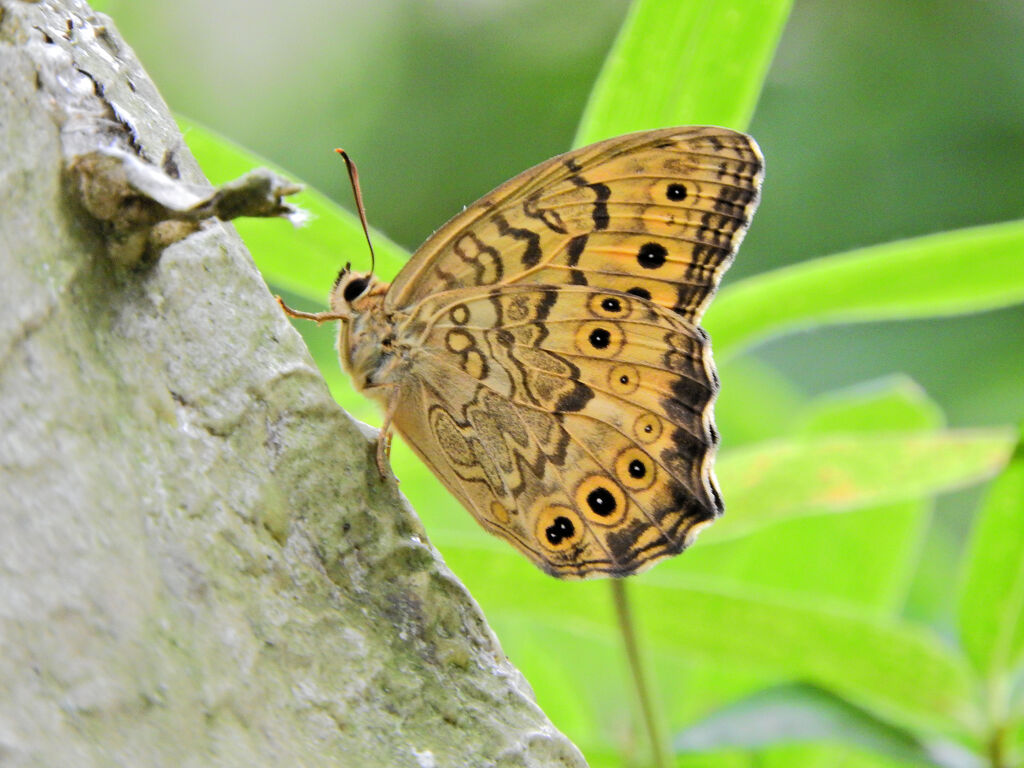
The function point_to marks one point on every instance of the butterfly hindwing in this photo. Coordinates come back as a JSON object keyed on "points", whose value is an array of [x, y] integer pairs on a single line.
{"points": [[574, 422]]}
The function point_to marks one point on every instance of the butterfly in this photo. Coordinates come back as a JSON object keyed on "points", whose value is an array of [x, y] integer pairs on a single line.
{"points": [[542, 354]]}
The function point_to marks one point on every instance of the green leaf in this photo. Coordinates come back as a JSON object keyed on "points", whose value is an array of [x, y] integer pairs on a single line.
{"points": [[951, 273], [580, 697], [782, 479], [798, 713], [880, 547], [898, 671], [681, 62], [992, 597], [756, 402], [881, 543], [891, 404], [306, 260]]}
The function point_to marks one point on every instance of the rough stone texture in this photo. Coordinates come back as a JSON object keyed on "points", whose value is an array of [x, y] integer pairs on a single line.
{"points": [[199, 564]]}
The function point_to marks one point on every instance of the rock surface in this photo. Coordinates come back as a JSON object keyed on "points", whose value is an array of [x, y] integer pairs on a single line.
{"points": [[199, 563]]}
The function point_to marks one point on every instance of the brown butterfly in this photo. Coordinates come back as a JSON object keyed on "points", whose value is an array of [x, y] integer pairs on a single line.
{"points": [[542, 352]]}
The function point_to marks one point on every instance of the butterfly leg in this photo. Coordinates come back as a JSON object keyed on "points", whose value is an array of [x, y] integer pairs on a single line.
{"points": [[384, 454], [318, 317], [384, 438]]}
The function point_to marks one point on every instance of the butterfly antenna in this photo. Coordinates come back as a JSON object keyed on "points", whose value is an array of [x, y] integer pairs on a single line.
{"points": [[353, 176]]}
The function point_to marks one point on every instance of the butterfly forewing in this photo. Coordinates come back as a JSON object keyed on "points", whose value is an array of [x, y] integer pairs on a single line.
{"points": [[659, 214]]}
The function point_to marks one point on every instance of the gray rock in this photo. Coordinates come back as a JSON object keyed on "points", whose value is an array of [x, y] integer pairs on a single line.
{"points": [[199, 563]]}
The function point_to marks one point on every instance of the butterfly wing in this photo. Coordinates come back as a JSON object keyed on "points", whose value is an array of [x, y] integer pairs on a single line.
{"points": [[558, 382], [658, 214], [576, 423]]}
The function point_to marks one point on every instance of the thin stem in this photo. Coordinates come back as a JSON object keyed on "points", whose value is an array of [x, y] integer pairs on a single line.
{"points": [[998, 707], [997, 747], [659, 749]]}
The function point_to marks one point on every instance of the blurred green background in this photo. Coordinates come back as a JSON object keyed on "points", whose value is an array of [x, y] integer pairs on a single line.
{"points": [[879, 121]]}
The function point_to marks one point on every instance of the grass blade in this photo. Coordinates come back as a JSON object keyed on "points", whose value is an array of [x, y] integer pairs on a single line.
{"points": [[783, 479], [950, 273], [680, 62], [791, 713], [992, 597], [897, 671]]}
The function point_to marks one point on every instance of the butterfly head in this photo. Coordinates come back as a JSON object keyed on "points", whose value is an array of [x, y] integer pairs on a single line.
{"points": [[367, 335], [355, 292]]}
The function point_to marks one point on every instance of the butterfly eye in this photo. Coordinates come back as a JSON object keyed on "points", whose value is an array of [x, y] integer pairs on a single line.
{"points": [[341, 276], [355, 289]]}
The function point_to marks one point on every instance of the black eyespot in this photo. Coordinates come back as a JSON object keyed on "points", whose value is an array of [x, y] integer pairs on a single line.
{"points": [[623, 379], [600, 338], [651, 255], [676, 192], [643, 293], [648, 428], [611, 304], [560, 530], [637, 469], [601, 501], [354, 289]]}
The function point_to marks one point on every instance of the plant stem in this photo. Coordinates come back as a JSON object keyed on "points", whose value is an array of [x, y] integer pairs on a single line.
{"points": [[998, 700], [659, 749], [997, 747]]}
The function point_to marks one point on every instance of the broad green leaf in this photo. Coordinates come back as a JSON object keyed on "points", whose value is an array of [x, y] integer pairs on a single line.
{"points": [[880, 543], [950, 273], [797, 712], [992, 597], [681, 62], [302, 260], [896, 670], [818, 755], [756, 402], [892, 404], [863, 559], [585, 701], [782, 479]]}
